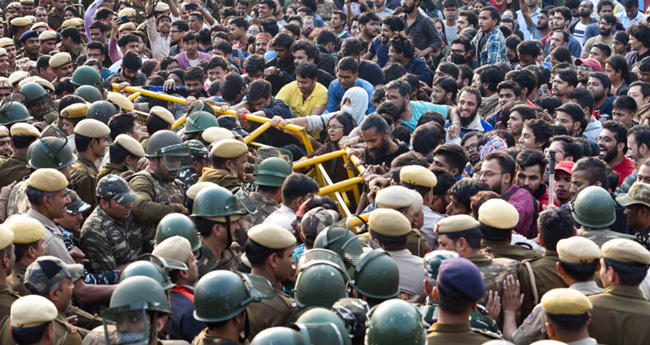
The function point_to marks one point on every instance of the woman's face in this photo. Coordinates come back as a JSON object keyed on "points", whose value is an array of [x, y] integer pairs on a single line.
{"points": [[68, 15], [619, 48], [335, 130], [439, 26]]}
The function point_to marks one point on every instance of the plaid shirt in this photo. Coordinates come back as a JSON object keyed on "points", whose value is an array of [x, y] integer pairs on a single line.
{"points": [[423, 33], [492, 49]]}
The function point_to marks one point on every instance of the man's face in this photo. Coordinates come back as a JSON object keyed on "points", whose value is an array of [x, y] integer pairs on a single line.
{"points": [[506, 95], [260, 103], [527, 139], [4, 64], [449, 12], [459, 48], [354, 28], [96, 35], [240, 164], [635, 92], [376, 142], [129, 74], [556, 147], [530, 178], [58, 202], [583, 74], [394, 96], [48, 46], [347, 78], [455, 207], [408, 6], [164, 24], [11, 53], [191, 47], [95, 54], [195, 24], [13, 12], [194, 87], [492, 175], [633, 149], [542, 21], [557, 40], [261, 46], [605, 9], [264, 11], [623, 116], [100, 147], [176, 34], [563, 119], [563, 185], [515, 123], [5, 145], [371, 29], [306, 85], [467, 107], [528, 60], [41, 15], [578, 180], [585, 9], [597, 54], [558, 22], [632, 11], [46, 73], [560, 87], [596, 87], [438, 95], [605, 28], [118, 211], [607, 145], [216, 73], [445, 243], [241, 10], [485, 22], [644, 174], [39, 107], [32, 45], [5, 92], [635, 44], [440, 161], [299, 56], [283, 53], [634, 218], [236, 32], [462, 24], [172, 66], [308, 25]]}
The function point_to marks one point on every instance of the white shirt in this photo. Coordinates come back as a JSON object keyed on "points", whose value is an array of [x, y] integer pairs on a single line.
{"points": [[283, 217], [431, 218], [522, 22], [627, 22]]}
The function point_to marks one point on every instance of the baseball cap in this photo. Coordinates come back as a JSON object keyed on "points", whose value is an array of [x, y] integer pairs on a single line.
{"points": [[197, 149], [114, 187], [592, 63], [565, 166], [76, 205], [639, 193], [231, 123], [47, 271]]}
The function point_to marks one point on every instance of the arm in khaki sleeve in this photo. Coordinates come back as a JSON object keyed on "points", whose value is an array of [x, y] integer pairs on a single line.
{"points": [[527, 289], [145, 209], [84, 188], [532, 329]]}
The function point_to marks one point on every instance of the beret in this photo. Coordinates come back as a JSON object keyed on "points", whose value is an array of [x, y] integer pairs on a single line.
{"points": [[394, 197], [271, 236], [44, 83], [25, 129], [3, 52], [6, 237], [47, 180], [128, 143], [176, 248], [28, 34], [13, 5], [120, 100], [214, 134], [4, 82], [196, 188], [47, 35], [578, 250], [566, 301], [6, 41], [163, 113], [161, 7], [29, 79], [126, 26], [75, 111], [127, 11], [31, 18], [23, 313], [17, 76], [462, 276], [499, 214], [39, 25], [626, 251], [26, 229], [20, 21], [418, 175], [72, 22], [27, 2], [460, 222], [229, 148], [92, 128], [4, 132], [387, 222], [60, 59]]}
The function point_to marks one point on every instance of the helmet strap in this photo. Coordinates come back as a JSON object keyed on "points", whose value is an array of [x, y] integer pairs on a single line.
{"points": [[229, 232], [153, 334], [247, 328]]}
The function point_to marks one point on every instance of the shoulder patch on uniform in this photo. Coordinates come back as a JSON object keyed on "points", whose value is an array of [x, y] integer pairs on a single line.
{"points": [[530, 317]]}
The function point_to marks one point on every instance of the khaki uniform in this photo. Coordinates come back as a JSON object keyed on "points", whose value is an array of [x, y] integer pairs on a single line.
{"points": [[53, 239], [621, 315], [270, 312], [462, 333], [207, 262], [13, 169], [65, 333], [265, 206], [506, 250], [602, 235], [417, 244], [83, 180], [54, 20], [411, 272], [139, 10], [494, 272], [17, 278], [222, 177], [204, 339], [112, 168], [546, 278], [7, 298], [18, 202]]}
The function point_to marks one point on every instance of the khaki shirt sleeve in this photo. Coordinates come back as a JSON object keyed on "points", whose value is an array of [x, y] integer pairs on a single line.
{"points": [[531, 330], [145, 209]]}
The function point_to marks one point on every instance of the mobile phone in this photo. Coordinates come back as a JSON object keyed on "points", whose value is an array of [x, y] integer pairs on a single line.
{"points": [[191, 7], [125, 19]]}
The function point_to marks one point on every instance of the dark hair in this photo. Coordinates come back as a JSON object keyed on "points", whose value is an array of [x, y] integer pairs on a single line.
{"points": [[554, 225], [466, 188], [531, 48], [155, 124], [494, 13], [98, 25], [118, 153], [449, 85], [595, 170], [562, 54], [132, 61], [401, 44], [403, 87], [549, 103], [506, 162], [445, 181], [472, 18], [607, 51], [389, 242], [490, 75], [393, 71], [584, 98], [166, 61], [348, 64], [217, 61], [296, 186], [513, 42], [619, 130], [103, 13], [270, 26], [374, 121], [626, 103], [580, 272], [124, 40], [604, 79], [394, 23], [629, 273], [239, 22], [568, 75], [524, 78], [224, 46], [454, 154], [121, 124], [231, 86], [473, 91], [341, 15], [527, 158], [426, 138], [293, 28], [569, 146], [254, 63], [326, 36], [72, 33], [542, 130], [449, 69], [641, 32], [308, 47], [366, 17], [644, 86], [641, 134], [258, 89], [466, 42], [472, 236], [618, 64], [569, 323], [307, 70]]}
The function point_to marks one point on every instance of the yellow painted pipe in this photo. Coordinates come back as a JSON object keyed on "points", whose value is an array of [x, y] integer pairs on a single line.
{"points": [[261, 119], [134, 96], [318, 159], [356, 160], [256, 133], [340, 185], [355, 221]]}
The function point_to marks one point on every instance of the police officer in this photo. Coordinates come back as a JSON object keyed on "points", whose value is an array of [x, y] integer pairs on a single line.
{"points": [[384, 328], [100, 110], [46, 46], [270, 252], [390, 229], [216, 212], [375, 277], [567, 316], [176, 224], [28, 246], [27, 325], [312, 223], [637, 201], [61, 64], [229, 161], [321, 279], [191, 193], [51, 278], [497, 219], [422, 180], [15, 167], [125, 153], [5, 143], [7, 295], [69, 117], [460, 233], [159, 119], [234, 292], [89, 93], [38, 102], [90, 140], [200, 156], [269, 177], [215, 134], [197, 122], [595, 213], [110, 237]]}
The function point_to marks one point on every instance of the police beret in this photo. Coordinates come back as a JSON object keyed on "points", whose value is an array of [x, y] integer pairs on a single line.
{"points": [[38, 26], [6, 237], [31, 18], [499, 214], [14, 5], [127, 11], [3, 52], [44, 83], [60, 59], [418, 175], [17, 76], [128, 143], [31, 311], [26, 229], [271, 236], [161, 7], [47, 35], [92, 128], [20, 21], [75, 111], [566, 301], [176, 248], [72, 22], [163, 113], [25, 129], [394, 197], [27, 2], [29, 79], [4, 132], [388, 222], [626, 251], [229, 148], [28, 34], [120, 100], [6, 41], [460, 222], [4, 82], [461, 276], [47, 180], [578, 250], [214, 134], [196, 188], [126, 26]]}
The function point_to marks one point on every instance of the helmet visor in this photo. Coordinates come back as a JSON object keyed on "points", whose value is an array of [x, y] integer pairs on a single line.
{"points": [[131, 326], [258, 288], [243, 203], [176, 157], [318, 255]]}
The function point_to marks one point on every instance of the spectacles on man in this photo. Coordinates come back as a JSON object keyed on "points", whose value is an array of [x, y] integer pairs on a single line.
{"points": [[488, 174]]}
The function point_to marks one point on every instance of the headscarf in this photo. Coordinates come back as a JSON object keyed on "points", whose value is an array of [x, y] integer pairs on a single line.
{"points": [[492, 144], [359, 99]]}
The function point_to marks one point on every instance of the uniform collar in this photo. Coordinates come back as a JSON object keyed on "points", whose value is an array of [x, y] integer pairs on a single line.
{"points": [[625, 291], [450, 327]]}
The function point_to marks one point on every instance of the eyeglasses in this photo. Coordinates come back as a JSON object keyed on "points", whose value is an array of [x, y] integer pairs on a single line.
{"points": [[461, 52], [586, 68], [471, 147], [548, 151], [334, 127], [488, 174]]}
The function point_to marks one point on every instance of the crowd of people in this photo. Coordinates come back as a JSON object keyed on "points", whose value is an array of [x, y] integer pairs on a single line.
{"points": [[502, 149]]}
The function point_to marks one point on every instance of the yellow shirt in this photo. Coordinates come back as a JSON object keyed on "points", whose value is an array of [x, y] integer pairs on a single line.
{"points": [[291, 95]]}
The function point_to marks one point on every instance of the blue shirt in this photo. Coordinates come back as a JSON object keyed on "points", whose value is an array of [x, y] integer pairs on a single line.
{"points": [[380, 50], [336, 91], [318, 21], [418, 66], [420, 107]]}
